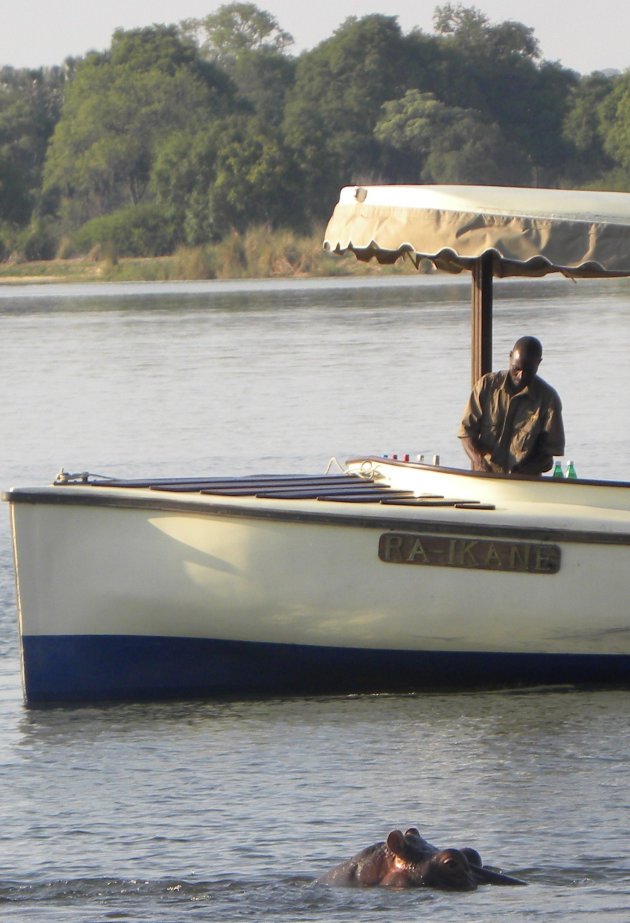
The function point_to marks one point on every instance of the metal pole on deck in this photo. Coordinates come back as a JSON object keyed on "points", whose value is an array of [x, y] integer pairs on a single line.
{"points": [[481, 359]]}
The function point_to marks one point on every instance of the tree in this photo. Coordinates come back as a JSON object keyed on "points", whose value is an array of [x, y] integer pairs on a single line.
{"points": [[15, 193], [231, 176], [236, 28], [119, 109], [448, 144], [614, 115], [256, 180], [30, 102], [183, 174], [472, 32], [264, 79], [583, 123], [496, 70], [249, 45], [335, 103]]}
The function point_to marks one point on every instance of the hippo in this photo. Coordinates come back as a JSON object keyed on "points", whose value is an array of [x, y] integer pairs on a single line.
{"points": [[406, 860]]}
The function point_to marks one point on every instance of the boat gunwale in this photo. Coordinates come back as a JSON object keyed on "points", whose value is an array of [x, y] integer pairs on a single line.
{"points": [[486, 475], [90, 496]]}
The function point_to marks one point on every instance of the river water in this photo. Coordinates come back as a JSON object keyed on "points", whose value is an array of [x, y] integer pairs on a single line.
{"points": [[229, 810]]}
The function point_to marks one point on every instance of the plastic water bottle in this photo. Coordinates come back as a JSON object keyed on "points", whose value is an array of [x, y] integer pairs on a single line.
{"points": [[570, 470], [557, 470]]}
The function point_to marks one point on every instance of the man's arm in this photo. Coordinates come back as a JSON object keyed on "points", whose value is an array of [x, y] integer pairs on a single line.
{"points": [[470, 427], [478, 460]]}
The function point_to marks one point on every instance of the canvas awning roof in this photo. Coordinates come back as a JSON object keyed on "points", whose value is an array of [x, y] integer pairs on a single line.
{"points": [[527, 232], [489, 230]]}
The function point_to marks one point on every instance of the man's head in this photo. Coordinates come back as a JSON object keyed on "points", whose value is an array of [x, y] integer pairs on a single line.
{"points": [[525, 358]]}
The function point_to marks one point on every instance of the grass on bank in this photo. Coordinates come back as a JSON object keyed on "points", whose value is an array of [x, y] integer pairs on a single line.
{"points": [[257, 254]]}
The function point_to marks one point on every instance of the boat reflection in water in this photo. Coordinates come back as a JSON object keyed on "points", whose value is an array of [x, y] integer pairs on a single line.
{"points": [[390, 575]]}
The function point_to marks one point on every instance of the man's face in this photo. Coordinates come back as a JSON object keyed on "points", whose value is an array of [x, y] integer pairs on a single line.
{"points": [[522, 369]]}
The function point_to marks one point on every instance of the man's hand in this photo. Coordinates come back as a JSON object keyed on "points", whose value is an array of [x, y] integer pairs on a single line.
{"points": [[478, 460]]}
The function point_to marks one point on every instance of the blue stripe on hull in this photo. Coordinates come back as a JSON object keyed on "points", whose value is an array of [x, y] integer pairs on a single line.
{"points": [[89, 668]]}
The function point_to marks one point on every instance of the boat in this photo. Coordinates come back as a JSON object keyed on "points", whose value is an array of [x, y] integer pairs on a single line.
{"points": [[390, 575]]}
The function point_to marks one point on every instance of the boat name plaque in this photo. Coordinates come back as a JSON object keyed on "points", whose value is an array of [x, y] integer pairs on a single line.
{"points": [[478, 554]]}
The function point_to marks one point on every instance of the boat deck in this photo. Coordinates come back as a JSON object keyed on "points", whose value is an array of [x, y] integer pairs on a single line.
{"points": [[342, 488]]}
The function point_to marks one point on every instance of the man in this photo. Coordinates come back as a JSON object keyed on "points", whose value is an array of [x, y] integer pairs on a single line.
{"points": [[513, 420]]}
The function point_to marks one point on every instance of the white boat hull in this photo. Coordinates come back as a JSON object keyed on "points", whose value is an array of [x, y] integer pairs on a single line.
{"points": [[132, 592]]}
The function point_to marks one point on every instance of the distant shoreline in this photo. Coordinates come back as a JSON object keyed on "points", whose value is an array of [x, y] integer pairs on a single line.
{"points": [[172, 268]]}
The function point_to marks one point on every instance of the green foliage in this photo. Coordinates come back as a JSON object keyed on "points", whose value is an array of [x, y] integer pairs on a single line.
{"points": [[335, 103], [248, 44], [224, 178], [236, 28], [263, 79], [15, 192], [5, 238], [138, 230], [447, 144], [182, 174], [585, 128], [473, 33], [412, 124], [536, 122], [615, 115], [30, 102], [494, 69], [190, 136], [255, 179], [36, 242], [615, 179], [119, 109]]}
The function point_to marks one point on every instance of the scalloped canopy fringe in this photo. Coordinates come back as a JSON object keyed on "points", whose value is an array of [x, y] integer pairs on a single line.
{"points": [[530, 232]]}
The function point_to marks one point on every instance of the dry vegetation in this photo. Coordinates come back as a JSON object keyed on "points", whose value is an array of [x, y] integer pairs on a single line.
{"points": [[256, 254]]}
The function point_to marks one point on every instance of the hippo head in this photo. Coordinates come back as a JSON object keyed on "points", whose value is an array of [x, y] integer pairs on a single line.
{"points": [[407, 860], [418, 864]]}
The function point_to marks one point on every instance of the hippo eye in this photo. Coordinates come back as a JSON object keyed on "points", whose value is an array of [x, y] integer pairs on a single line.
{"points": [[450, 863]]}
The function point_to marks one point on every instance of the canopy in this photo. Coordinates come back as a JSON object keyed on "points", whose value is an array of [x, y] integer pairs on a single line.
{"points": [[490, 230], [529, 232]]}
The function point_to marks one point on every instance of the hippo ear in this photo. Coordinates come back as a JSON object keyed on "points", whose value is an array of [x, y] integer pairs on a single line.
{"points": [[396, 843], [472, 855]]}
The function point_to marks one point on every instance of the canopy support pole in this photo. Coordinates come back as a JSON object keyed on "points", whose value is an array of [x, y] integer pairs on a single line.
{"points": [[481, 358]]}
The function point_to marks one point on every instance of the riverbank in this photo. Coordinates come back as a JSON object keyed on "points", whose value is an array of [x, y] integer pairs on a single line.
{"points": [[257, 254]]}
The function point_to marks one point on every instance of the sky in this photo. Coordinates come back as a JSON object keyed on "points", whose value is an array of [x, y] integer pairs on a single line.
{"points": [[580, 34]]}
